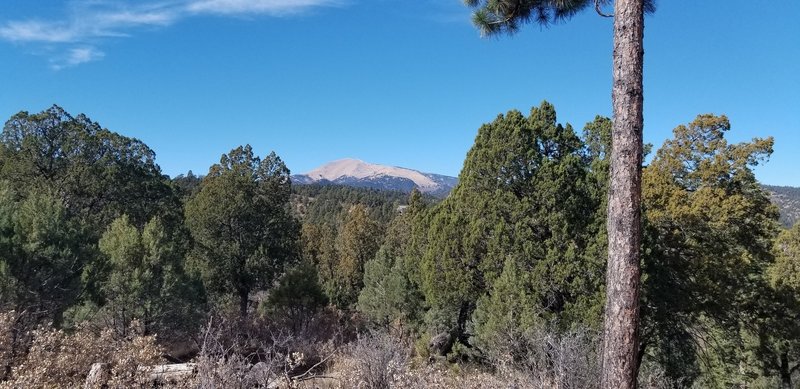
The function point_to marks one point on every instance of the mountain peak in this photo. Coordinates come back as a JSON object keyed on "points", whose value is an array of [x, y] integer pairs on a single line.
{"points": [[355, 172]]}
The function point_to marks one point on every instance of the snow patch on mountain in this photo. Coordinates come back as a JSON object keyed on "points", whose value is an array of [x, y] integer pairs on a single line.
{"points": [[355, 168], [355, 172]]}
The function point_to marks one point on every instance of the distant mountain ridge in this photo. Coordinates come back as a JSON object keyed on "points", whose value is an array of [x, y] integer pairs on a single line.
{"points": [[787, 199], [355, 172]]}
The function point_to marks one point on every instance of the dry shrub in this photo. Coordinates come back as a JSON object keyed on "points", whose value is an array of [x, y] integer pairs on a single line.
{"points": [[437, 375], [540, 358], [376, 361], [15, 338], [653, 376], [454, 376], [238, 352], [7, 320], [60, 359]]}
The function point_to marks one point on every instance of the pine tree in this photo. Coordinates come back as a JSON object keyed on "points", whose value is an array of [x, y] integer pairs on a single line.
{"points": [[624, 196], [42, 252], [146, 279], [242, 225], [357, 242]]}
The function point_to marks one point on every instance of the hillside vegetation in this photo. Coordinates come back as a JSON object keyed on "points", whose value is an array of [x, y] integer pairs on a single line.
{"points": [[257, 282], [787, 199]]}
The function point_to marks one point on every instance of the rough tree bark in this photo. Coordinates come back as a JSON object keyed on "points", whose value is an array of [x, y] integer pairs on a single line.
{"points": [[786, 372], [621, 335]]}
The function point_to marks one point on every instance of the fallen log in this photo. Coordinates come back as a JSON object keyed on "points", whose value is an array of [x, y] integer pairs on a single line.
{"points": [[100, 373], [171, 373]]}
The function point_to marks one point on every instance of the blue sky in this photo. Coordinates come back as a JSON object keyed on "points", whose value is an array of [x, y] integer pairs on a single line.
{"points": [[397, 82]]}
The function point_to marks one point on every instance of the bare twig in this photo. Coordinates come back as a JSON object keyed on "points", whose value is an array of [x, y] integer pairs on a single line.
{"points": [[599, 10], [300, 377]]}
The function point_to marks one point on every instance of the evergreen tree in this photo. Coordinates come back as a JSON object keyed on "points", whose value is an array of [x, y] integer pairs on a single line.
{"points": [[782, 350], [319, 249], [389, 296], [709, 231], [297, 296], [624, 215], [522, 196], [96, 175], [42, 254], [146, 279], [99, 175], [506, 315], [242, 225], [358, 241]]}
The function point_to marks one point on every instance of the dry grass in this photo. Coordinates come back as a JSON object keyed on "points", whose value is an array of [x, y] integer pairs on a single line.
{"points": [[254, 353], [56, 359]]}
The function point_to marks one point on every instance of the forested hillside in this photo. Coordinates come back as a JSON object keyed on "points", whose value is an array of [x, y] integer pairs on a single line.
{"points": [[256, 281], [327, 203], [787, 199]]}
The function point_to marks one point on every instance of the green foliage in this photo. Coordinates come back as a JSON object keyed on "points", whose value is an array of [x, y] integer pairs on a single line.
{"points": [[327, 204], [507, 268], [187, 185], [708, 238], [358, 241], [146, 279], [503, 317], [382, 300], [781, 330], [389, 297], [41, 253], [297, 295], [526, 194], [242, 225], [83, 176], [507, 16], [98, 174], [785, 273]]}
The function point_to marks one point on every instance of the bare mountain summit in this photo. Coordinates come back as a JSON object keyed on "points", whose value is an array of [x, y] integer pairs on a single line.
{"points": [[354, 172]]}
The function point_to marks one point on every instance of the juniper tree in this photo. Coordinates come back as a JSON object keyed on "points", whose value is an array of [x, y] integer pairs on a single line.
{"points": [[95, 174], [389, 297], [708, 241], [242, 225], [785, 278], [98, 174], [356, 243], [524, 197], [624, 197]]}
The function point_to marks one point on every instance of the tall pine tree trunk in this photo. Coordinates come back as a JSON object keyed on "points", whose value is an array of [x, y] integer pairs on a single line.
{"points": [[621, 335], [786, 372]]}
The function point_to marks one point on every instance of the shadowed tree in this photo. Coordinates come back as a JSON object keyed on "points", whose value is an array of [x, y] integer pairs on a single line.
{"points": [[522, 207], [357, 243], [242, 225], [624, 196], [784, 276], [709, 229]]}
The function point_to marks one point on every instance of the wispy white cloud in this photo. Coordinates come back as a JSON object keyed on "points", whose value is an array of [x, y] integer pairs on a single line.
{"points": [[37, 31], [78, 55], [88, 22], [268, 7]]}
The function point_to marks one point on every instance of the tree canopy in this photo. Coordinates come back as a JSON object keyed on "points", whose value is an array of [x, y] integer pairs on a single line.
{"points": [[242, 224]]}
